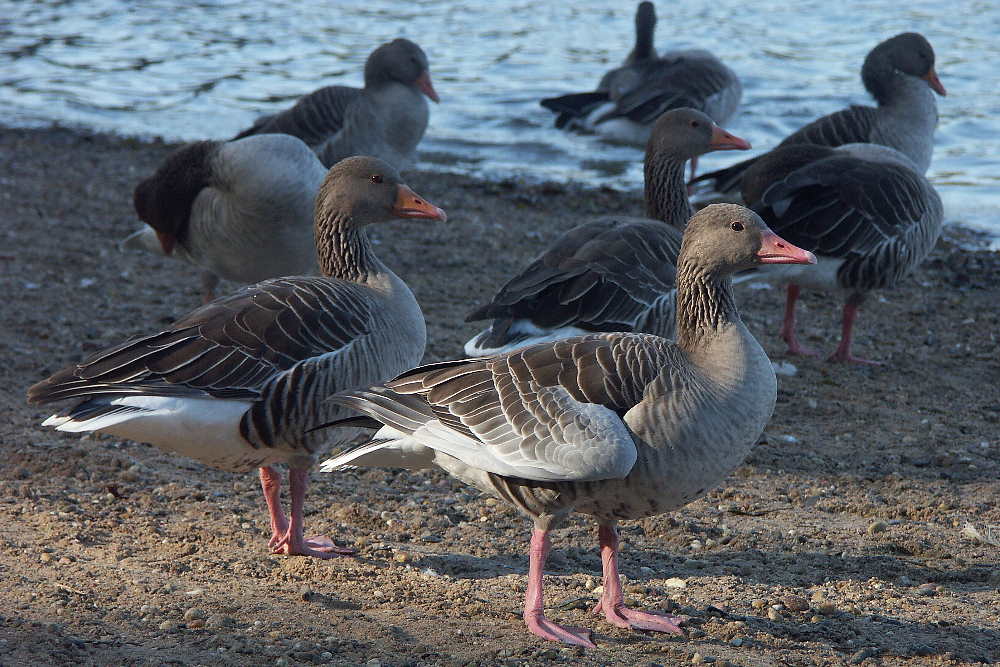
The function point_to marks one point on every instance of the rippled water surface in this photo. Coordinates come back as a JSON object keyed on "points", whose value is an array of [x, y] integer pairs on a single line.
{"points": [[194, 70]]}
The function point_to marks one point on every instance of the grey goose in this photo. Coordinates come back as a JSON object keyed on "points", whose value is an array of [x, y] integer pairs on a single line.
{"points": [[865, 210], [616, 426], [240, 210], [629, 99], [899, 73], [240, 382], [385, 119], [614, 273]]}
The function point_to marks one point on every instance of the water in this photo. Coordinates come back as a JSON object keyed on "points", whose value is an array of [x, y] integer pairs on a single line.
{"points": [[205, 70]]}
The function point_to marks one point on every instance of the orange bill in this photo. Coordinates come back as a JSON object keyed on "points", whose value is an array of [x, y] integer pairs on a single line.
{"points": [[411, 205], [776, 250], [724, 141], [934, 82], [426, 87]]}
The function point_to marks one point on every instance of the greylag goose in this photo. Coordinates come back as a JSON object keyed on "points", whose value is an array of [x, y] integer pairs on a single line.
{"points": [[630, 98], [865, 210], [240, 210], [615, 273], [899, 73], [385, 119], [616, 426], [239, 383]]}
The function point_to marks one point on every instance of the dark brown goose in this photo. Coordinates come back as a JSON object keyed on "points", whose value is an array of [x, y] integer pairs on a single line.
{"points": [[239, 383], [616, 426], [385, 119], [615, 273], [899, 73], [240, 210], [630, 98], [865, 210]]}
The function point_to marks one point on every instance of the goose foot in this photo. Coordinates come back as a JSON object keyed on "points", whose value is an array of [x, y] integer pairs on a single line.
{"points": [[534, 616], [546, 629], [286, 535], [843, 352], [612, 604], [626, 617], [316, 547]]}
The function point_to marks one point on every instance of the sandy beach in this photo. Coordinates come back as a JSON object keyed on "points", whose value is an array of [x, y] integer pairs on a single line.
{"points": [[843, 539]]}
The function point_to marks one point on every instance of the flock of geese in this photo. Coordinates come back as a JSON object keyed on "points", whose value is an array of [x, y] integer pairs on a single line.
{"points": [[614, 378]]}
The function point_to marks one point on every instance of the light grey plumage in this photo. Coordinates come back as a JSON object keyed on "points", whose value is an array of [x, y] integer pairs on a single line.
{"points": [[241, 382], [239, 210], [899, 73], [615, 273], [385, 119], [629, 99], [616, 426]]}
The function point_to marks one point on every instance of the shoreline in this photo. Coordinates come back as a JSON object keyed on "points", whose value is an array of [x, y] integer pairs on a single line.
{"points": [[855, 506]]}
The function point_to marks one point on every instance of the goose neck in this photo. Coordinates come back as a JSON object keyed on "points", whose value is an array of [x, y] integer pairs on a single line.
{"points": [[344, 250], [665, 191], [705, 306]]}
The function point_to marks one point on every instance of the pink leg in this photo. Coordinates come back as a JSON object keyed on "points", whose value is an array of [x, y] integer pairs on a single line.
{"points": [[292, 543], [788, 325], [843, 352], [534, 614], [612, 602], [270, 482]]}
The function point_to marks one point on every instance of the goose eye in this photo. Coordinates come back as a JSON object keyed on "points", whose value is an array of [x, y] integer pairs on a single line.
{"points": [[377, 178], [695, 123], [736, 226]]}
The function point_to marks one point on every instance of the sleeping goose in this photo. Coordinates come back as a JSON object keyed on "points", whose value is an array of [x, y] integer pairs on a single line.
{"points": [[899, 73], [615, 273], [240, 382], [386, 119], [865, 210], [240, 210], [630, 98], [616, 426]]}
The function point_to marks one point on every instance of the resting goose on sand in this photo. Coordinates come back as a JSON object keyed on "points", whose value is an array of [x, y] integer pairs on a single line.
{"points": [[385, 119], [241, 382], [899, 73], [614, 273], [865, 210], [630, 98], [616, 426], [241, 210]]}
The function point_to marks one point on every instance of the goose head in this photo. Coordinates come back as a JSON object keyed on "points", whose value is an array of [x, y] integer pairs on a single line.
{"points": [[403, 61], [686, 133], [722, 239], [907, 53], [364, 190]]}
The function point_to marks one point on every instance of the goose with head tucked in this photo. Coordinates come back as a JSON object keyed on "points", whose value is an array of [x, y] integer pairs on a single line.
{"points": [[865, 210], [241, 382], [614, 273], [240, 210], [616, 426], [385, 119], [899, 73], [630, 98]]}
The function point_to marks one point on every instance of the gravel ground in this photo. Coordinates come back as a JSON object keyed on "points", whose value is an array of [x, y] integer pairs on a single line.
{"points": [[839, 541]]}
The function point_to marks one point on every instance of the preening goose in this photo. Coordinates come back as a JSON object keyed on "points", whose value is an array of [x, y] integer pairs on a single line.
{"points": [[899, 73], [385, 119], [615, 273], [616, 426], [865, 210], [240, 210], [240, 383], [630, 98]]}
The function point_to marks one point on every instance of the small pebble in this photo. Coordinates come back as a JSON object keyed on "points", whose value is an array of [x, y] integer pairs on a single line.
{"points": [[374, 662], [282, 662], [736, 641], [827, 608], [675, 582], [46, 558], [758, 603], [696, 633], [795, 603], [193, 613], [774, 614], [168, 626], [863, 655], [877, 527], [927, 590], [326, 656], [815, 619], [196, 623]]}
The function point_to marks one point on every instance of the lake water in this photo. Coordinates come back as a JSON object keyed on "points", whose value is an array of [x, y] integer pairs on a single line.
{"points": [[195, 70]]}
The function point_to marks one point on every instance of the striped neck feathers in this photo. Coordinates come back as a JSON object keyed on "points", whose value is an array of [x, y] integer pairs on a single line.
{"points": [[705, 305], [665, 191], [344, 250]]}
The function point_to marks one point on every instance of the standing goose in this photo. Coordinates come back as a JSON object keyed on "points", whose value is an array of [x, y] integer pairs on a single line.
{"points": [[240, 383], [899, 73], [617, 426], [865, 210], [240, 210], [615, 273], [386, 119], [630, 98]]}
